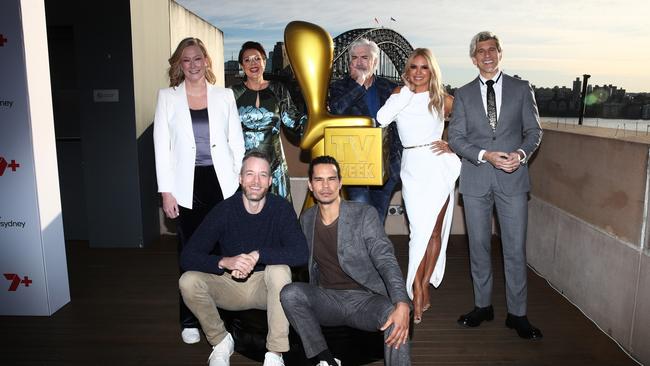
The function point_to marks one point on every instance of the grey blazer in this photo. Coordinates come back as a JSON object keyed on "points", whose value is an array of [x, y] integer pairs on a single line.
{"points": [[364, 251], [517, 128]]}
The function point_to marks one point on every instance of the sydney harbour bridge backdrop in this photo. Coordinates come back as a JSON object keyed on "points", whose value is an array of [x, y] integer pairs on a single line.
{"points": [[394, 51]]}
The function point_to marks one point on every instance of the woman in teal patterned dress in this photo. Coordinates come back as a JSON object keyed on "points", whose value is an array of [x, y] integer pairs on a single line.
{"points": [[264, 106]]}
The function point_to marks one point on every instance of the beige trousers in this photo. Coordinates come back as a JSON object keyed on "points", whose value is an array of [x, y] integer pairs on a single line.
{"points": [[204, 292]]}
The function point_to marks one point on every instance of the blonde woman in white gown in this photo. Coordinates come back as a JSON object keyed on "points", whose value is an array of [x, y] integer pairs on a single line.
{"points": [[429, 171]]}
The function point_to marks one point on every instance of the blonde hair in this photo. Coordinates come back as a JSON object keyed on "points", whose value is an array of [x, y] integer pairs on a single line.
{"points": [[437, 91], [175, 71]]}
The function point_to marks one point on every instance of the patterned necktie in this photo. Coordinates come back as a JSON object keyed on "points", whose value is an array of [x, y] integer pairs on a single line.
{"points": [[491, 104]]}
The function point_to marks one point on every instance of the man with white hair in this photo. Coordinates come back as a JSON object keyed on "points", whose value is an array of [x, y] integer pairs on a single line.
{"points": [[362, 93]]}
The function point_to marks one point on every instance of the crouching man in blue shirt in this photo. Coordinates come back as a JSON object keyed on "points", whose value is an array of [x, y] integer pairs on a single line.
{"points": [[259, 238]]}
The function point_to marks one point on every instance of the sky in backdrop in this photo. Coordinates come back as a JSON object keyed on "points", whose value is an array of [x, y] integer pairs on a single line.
{"points": [[548, 42]]}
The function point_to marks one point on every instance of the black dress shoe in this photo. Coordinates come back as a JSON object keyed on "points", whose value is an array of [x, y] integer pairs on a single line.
{"points": [[475, 317], [523, 327]]}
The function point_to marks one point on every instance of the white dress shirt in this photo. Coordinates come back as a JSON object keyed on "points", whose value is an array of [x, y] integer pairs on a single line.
{"points": [[498, 91], [498, 88]]}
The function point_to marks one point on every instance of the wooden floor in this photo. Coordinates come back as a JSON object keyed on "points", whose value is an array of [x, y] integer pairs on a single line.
{"points": [[124, 312]]}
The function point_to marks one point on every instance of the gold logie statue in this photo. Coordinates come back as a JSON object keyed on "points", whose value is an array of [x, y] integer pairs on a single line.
{"points": [[358, 150]]}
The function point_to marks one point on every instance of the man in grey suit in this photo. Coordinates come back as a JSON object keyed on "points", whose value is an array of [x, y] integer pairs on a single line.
{"points": [[354, 278], [495, 129]]}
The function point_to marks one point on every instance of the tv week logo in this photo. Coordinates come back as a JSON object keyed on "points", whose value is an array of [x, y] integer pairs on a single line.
{"points": [[4, 165], [17, 281]]}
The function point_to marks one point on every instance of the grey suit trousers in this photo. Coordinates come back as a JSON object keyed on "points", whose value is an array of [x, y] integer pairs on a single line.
{"points": [[512, 213], [308, 307]]}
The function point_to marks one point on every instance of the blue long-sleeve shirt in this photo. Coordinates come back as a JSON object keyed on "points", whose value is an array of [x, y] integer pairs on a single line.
{"points": [[274, 232]]}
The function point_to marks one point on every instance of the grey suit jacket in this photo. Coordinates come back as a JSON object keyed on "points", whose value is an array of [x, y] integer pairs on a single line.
{"points": [[365, 253], [517, 128]]}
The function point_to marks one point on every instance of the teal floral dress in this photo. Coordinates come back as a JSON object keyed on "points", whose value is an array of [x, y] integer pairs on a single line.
{"points": [[262, 127]]}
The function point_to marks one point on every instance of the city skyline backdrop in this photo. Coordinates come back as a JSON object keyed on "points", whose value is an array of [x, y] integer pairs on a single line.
{"points": [[549, 43]]}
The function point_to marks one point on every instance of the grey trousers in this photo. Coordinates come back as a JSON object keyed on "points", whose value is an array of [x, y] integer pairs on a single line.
{"points": [[307, 307], [512, 211]]}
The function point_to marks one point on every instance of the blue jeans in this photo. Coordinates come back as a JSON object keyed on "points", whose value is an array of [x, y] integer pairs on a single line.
{"points": [[379, 196]]}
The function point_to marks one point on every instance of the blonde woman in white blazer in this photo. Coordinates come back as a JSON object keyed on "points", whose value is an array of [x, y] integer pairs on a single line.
{"points": [[199, 148]]}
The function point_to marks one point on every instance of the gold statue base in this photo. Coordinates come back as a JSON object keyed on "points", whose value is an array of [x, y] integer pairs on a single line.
{"points": [[362, 154]]}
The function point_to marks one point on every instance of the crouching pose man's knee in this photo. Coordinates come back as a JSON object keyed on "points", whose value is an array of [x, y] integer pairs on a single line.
{"points": [[354, 276], [259, 238]]}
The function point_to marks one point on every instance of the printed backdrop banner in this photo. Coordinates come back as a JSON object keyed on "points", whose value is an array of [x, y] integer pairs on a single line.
{"points": [[33, 268]]}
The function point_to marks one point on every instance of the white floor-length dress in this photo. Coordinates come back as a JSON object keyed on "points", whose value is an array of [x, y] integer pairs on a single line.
{"points": [[427, 179]]}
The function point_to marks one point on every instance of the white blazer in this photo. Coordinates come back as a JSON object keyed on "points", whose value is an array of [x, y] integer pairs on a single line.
{"points": [[175, 147]]}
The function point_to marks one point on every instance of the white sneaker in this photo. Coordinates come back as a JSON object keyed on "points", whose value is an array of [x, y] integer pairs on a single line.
{"points": [[191, 335], [271, 359], [324, 363], [220, 355]]}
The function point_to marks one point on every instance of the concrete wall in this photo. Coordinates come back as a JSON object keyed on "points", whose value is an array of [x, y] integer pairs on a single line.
{"points": [[600, 180], [587, 229], [151, 48]]}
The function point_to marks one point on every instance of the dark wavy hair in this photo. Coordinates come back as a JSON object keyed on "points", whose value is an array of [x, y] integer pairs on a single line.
{"points": [[250, 45]]}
